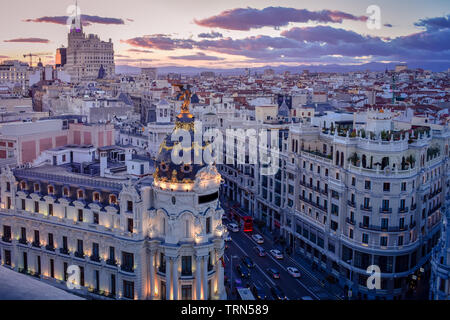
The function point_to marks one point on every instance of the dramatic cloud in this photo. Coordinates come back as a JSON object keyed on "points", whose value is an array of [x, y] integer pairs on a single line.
{"points": [[86, 20], [388, 25], [323, 34], [29, 40], [3, 57], [160, 41], [318, 43], [140, 51], [250, 18], [198, 56], [437, 23], [211, 35]]}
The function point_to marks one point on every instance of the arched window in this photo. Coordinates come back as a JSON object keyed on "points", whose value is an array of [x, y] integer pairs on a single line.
{"points": [[66, 192], [36, 187], [80, 194], [342, 159], [112, 199], [96, 196], [23, 185], [337, 157], [51, 190]]}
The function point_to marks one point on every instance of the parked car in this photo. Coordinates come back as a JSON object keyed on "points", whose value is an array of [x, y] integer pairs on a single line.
{"points": [[248, 262], [258, 292], [258, 238], [277, 293], [261, 251], [293, 271], [233, 227], [274, 273], [243, 271], [277, 254]]}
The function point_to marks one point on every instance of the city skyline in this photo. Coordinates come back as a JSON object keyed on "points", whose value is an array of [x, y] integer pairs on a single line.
{"points": [[237, 34]]}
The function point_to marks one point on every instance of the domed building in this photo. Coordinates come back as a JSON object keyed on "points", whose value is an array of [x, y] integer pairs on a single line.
{"points": [[185, 223]]}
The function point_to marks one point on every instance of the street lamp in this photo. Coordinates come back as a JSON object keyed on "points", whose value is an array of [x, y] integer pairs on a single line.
{"points": [[231, 271], [349, 293]]}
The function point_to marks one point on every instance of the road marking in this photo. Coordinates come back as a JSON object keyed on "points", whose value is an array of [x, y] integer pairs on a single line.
{"points": [[283, 268], [258, 267]]}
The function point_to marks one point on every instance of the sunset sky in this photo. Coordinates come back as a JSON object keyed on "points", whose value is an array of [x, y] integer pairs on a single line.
{"points": [[221, 34]]}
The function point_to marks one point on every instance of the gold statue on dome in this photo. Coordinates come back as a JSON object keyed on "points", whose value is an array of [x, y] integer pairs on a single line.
{"points": [[185, 96]]}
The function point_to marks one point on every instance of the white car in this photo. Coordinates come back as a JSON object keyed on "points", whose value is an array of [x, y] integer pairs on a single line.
{"points": [[233, 227], [258, 238], [293, 272], [277, 254]]}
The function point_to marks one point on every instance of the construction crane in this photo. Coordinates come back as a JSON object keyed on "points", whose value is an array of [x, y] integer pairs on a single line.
{"points": [[31, 55]]}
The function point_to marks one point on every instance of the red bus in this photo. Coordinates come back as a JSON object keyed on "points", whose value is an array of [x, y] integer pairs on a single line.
{"points": [[244, 221]]}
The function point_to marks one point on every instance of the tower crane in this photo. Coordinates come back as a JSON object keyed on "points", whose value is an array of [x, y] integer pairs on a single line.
{"points": [[31, 55]]}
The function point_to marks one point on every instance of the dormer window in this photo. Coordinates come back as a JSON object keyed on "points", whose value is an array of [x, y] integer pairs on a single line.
{"points": [[80, 194], [51, 190], [36, 187], [66, 192], [97, 196], [112, 199], [23, 185]]}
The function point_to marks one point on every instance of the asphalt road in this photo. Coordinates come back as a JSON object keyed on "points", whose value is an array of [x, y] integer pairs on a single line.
{"points": [[294, 288]]}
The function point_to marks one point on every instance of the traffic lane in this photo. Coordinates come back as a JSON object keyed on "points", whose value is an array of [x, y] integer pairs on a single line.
{"points": [[306, 277], [257, 276], [291, 286]]}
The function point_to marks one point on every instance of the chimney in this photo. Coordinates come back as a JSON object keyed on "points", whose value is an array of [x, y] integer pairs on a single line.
{"points": [[103, 162]]}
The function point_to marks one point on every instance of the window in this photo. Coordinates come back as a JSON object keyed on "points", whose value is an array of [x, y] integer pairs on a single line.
{"points": [[7, 233], [81, 276], [366, 221], [23, 234], [51, 190], [186, 292], [65, 247], [127, 261], [162, 263], [129, 206], [23, 185], [36, 207], [80, 249], [112, 199], [383, 241], [80, 215], [208, 225], [80, 194], [350, 234], [36, 187], [130, 225], [50, 209], [333, 225], [8, 257], [403, 186], [365, 238], [386, 186], [367, 185], [95, 250], [37, 240], [96, 196], [400, 240], [385, 204], [353, 181], [96, 218], [8, 186], [52, 268], [384, 223], [51, 243], [186, 266], [66, 192]]}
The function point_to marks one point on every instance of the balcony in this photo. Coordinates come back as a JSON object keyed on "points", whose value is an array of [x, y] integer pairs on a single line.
{"points": [[64, 251], [23, 241], [368, 209], [50, 248], [79, 255], [6, 239], [414, 206], [385, 210], [351, 204], [403, 210], [348, 220], [386, 228], [127, 268], [36, 244], [95, 258], [111, 262]]}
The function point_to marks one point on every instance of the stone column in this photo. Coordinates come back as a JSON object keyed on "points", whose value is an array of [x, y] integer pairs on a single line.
{"points": [[152, 275], [175, 278], [205, 277], [198, 278], [168, 278]]}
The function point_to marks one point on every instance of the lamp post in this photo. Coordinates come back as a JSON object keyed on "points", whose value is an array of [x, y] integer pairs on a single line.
{"points": [[231, 271], [349, 293]]}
